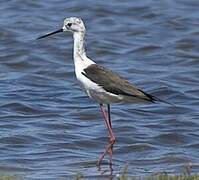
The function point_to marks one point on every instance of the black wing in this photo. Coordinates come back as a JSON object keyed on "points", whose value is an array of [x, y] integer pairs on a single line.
{"points": [[114, 83]]}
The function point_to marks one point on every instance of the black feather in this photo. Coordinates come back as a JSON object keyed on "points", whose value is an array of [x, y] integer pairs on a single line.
{"points": [[113, 83]]}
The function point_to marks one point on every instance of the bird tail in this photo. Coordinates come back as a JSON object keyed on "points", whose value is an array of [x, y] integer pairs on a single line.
{"points": [[162, 101], [154, 99]]}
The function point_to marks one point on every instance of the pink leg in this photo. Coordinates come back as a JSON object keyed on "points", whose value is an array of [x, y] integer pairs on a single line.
{"points": [[112, 137], [109, 118], [107, 149]]}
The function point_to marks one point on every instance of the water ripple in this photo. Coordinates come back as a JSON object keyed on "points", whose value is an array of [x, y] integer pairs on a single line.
{"points": [[50, 129]]}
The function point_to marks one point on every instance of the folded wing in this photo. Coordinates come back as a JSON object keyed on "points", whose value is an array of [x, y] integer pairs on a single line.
{"points": [[115, 84]]}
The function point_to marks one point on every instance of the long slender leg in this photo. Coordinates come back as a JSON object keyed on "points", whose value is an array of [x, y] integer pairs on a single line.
{"points": [[109, 118], [111, 148], [109, 114], [107, 149], [112, 137], [106, 118]]}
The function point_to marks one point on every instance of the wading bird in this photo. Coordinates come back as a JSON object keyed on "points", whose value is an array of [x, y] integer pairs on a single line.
{"points": [[101, 84]]}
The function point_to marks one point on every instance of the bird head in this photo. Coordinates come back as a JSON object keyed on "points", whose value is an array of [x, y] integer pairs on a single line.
{"points": [[71, 24]]}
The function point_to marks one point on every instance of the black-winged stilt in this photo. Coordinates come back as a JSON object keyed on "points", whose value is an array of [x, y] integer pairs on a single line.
{"points": [[101, 84]]}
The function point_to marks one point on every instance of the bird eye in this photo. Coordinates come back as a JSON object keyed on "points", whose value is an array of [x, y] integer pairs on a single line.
{"points": [[69, 24]]}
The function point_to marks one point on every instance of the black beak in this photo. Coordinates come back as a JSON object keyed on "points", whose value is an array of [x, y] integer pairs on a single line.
{"points": [[49, 34]]}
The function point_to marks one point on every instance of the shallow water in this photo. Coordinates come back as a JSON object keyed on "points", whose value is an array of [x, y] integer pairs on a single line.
{"points": [[50, 129]]}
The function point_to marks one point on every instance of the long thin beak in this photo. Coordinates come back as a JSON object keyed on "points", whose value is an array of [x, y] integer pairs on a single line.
{"points": [[49, 34]]}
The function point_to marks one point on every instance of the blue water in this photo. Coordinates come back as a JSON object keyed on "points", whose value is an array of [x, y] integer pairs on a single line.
{"points": [[50, 129]]}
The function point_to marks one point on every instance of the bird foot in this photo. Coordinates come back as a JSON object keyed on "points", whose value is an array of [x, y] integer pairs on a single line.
{"points": [[109, 150]]}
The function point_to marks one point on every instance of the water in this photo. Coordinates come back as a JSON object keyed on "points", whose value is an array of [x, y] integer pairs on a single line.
{"points": [[49, 128]]}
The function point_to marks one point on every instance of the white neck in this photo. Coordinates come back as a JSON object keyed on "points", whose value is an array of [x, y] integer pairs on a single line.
{"points": [[79, 49], [79, 53]]}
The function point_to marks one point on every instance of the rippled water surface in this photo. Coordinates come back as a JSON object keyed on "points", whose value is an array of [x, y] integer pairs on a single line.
{"points": [[49, 128]]}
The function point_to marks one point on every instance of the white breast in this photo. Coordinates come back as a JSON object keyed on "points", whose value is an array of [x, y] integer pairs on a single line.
{"points": [[93, 90], [80, 64]]}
